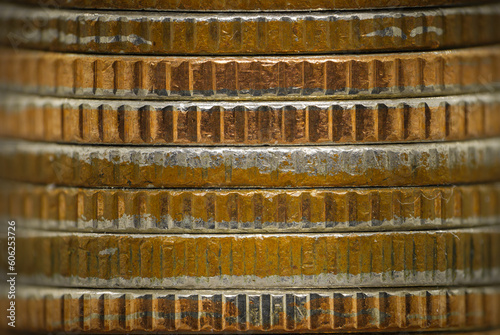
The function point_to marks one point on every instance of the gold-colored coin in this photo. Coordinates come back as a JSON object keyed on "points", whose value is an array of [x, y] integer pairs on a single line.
{"points": [[252, 211], [217, 261], [249, 123], [73, 310], [298, 77], [248, 33], [414, 164], [245, 5]]}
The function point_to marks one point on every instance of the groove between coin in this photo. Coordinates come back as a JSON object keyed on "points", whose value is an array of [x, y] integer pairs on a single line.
{"points": [[40, 309], [319, 166], [248, 33], [251, 211], [224, 123], [420, 258], [243, 5], [294, 77]]}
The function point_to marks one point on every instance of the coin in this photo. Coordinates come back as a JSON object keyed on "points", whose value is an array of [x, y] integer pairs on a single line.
{"points": [[249, 123], [298, 77], [248, 33], [56, 310], [307, 166], [252, 211], [243, 5], [217, 261]]}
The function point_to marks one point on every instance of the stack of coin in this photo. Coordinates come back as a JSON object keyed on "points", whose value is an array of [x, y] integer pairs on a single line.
{"points": [[292, 166]]}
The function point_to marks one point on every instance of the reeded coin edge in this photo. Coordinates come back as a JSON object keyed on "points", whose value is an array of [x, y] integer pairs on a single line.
{"points": [[267, 210], [249, 33], [264, 78], [462, 309], [251, 123], [425, 258]]}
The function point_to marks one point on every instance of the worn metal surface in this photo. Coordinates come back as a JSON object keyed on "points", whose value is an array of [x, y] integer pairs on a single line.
{"points": [[483, 331], [248, 33], [249, 123], [307, 166], [251, 211], [245, 5], [297, 77], [42, 309], [220, 261]]}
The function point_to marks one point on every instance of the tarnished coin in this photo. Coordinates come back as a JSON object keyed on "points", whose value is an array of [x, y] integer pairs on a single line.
{"points": [[245, 5], [298, 77], [295, 166], [217, 261], [57, 310], [486, 331], [252, 211], [248, 33], [250, 123]]}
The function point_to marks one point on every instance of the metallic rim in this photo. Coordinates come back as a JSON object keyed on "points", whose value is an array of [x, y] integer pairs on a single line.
{"points": [[219, 261], [270, 78], [243, 5], [248, 33], [461, 309], [250, 211], [250, 123], [295, 166]]}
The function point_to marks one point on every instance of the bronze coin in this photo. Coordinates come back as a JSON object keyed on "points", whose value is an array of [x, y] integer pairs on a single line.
{"points": [[413, 164], [248, 33], [257, 78], [245, 5], [250, 210], [255, 261], [250, 123], [415, 309]]}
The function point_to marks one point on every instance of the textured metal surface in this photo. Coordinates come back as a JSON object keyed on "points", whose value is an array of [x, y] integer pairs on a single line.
{"points": [[318, 166], [251, 211], [298, 77], [249, 123], [303, 311], [477, 331], [416, 258], [245, 5], [248, 33]]}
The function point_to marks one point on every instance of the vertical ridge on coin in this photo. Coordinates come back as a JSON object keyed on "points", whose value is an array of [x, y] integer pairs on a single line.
{"points": [[329, 311], [457, 71], [208, 123], [256, 261]]}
